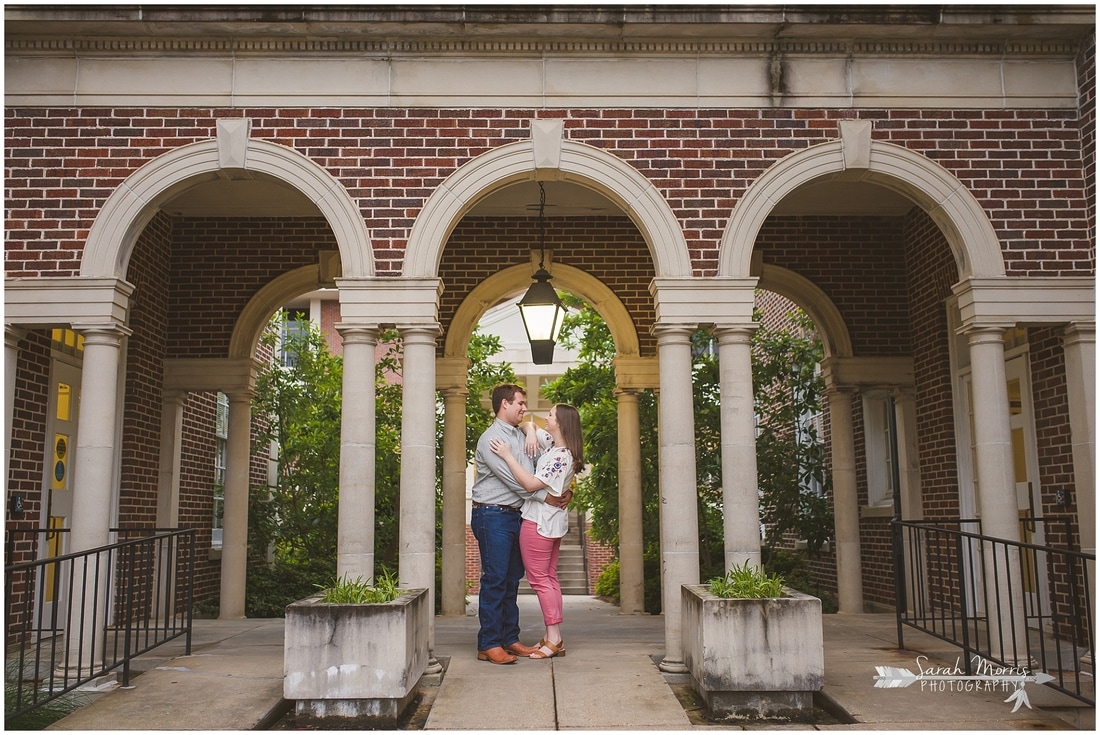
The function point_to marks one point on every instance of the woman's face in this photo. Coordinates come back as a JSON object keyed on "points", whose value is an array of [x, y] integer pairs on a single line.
{"points": [[552, 417]]}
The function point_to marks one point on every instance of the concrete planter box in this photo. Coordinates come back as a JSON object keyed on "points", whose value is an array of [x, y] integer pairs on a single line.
{"points": [[753, 658], [355, 663]]}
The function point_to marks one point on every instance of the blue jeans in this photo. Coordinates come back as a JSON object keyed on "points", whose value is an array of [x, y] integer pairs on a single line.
{"points": [[497, 534]]}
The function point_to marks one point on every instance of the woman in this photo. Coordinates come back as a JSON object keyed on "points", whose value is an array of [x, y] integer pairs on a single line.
{"points": [[544, 525]]}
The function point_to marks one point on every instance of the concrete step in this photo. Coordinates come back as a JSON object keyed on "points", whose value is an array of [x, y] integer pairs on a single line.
{"points": [[571, 572]]}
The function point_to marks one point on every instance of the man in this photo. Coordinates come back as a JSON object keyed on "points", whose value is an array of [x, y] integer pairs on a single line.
{"points": [[495, 520]]}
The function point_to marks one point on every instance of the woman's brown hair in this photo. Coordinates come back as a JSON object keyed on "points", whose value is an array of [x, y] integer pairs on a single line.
{"points": [[569, 421]]}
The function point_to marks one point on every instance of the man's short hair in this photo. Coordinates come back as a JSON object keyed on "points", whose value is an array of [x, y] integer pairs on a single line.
{"points": [[506, 392]]}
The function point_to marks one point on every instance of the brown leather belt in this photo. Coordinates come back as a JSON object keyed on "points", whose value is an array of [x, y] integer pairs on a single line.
{"points": [[495, 505]]}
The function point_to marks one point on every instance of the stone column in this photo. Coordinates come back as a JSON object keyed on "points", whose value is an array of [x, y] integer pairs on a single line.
{"points": [[417, 518], [631, 544], [1080, 346], [171, 449], [849, 567], [238, 462], [740, 492], [94, 483], [97, 431], [12, 335], [905, 420], [679, 491], [992, 436], [997, 493], [358, 444], [454, 501]]}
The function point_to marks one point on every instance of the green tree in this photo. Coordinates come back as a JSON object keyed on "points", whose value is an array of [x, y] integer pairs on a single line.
{"points": [[296, 408], [790, 454], [483, 375], [790, 445]]}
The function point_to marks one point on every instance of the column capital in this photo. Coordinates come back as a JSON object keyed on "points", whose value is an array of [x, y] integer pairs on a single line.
{"points": [[636, 373], [240, 394], [102, 332], [12, 335], [1080, 333], [454, 391], [839, 391], [868, 372], [987, 333], [905, 393], [673, 333], [419, 332], [735, 333], [451, 374], [357, 332]]}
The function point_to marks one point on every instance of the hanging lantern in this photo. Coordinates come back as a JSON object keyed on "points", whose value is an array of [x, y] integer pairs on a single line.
{"points": [[541, 309]]}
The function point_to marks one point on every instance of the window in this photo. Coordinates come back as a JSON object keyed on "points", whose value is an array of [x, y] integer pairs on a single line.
{"points": [[221, 441], [880, 435], [295, 325]]}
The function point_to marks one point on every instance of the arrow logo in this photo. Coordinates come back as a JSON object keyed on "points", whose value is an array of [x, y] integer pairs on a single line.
{"points": [[894, 677]]}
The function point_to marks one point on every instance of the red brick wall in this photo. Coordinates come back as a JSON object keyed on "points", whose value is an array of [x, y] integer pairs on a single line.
{"points": [[197, 487], [218, 264], [860, 265], [27, 451], [931, 272], [473, 563], [599, 557], [25, 468], [142, 412], [1053, 443], [608, 248], [1086, 128], [700, 161]]}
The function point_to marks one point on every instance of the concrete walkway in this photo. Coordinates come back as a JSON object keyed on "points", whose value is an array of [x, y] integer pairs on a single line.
{"points": [[607, 681]]}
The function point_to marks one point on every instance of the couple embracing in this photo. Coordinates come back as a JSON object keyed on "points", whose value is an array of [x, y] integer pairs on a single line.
{"points": [[518, 518]]}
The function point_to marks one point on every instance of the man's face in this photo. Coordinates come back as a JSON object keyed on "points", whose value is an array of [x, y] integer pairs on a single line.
{"points": [[512, 411]]}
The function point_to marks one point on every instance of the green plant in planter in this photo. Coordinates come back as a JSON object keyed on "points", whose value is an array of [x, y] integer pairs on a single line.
{"points": [[346, 590], [747, 581]]}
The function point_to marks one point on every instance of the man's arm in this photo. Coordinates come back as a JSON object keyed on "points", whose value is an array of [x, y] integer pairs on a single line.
{"points": [[498, 467]]}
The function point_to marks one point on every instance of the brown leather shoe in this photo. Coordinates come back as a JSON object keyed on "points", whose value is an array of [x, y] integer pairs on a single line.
{"points": [[496, 655], [520, 650]]}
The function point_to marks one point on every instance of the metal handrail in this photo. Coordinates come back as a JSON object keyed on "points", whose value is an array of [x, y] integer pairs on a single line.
{"points": [[1011, 603], [74, 618]]}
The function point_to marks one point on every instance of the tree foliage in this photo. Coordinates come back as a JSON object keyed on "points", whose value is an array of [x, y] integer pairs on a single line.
{"points": [[788, 387], [793, 482], [296, 409]]}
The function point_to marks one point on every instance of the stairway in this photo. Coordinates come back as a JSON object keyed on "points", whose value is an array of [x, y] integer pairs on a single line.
{"points": [[571, 569]]}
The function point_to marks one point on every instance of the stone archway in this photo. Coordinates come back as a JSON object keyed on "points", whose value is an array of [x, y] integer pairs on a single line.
{"points": [[517, 278], [131, 206], [547, 155], [951, 206], [821, 309]]}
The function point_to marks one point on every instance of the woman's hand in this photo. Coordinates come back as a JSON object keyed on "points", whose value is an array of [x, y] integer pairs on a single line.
{"points": [[500, 448], [531, 446]]}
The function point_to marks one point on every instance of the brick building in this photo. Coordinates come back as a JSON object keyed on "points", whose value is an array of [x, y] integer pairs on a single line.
{"points": [[920, 179]]}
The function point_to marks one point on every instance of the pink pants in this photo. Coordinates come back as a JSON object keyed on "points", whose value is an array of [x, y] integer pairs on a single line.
{"points": [[540, 558]]}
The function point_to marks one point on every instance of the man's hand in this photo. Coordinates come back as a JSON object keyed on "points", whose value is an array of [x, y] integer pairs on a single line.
{"points": [[561, 502]]}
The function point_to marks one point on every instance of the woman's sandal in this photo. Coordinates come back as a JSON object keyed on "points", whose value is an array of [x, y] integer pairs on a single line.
{"points": [[561, 646], [555, 649]]}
